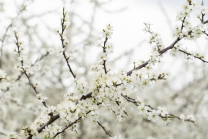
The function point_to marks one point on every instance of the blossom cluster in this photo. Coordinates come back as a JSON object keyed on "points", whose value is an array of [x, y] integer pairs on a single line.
{"points": [[150, 113], [156, 45], [187, 118], [186, 30]]}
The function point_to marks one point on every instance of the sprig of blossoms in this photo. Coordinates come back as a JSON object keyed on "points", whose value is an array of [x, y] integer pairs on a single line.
{"points": [[62, 51], [190, 118], [108, 31], [203, 12], [151, 114], [25, 70], [107, 47]]}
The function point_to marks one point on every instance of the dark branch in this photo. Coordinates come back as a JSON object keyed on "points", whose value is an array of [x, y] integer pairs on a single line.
{"points": [[69, 125], [103, 128], [132, 100], [104, 51], [197, 57], [63, 27]]}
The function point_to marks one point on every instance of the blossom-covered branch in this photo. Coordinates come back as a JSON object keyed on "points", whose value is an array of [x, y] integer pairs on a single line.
{"points": [[64, 43], [25, 70]]}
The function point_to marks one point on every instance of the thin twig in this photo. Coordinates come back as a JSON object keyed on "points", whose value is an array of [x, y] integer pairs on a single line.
{"points": [[197, 57], [24, 70], [69, 125], [104, 51], [51, 120], [205, 33], [205, 22], [132, 100], [104, 129], [63, 27]]}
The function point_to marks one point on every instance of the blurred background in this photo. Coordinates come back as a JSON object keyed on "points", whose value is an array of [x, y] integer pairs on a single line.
{"points": [[36, 22]]}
